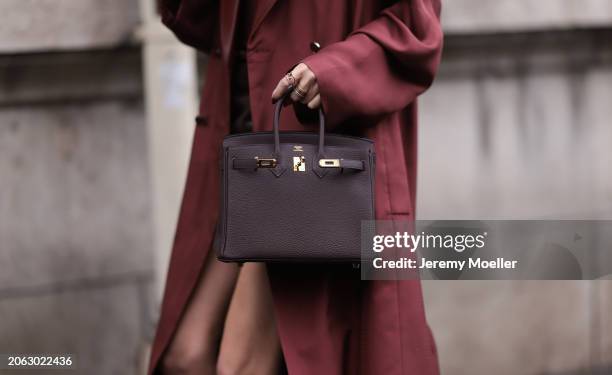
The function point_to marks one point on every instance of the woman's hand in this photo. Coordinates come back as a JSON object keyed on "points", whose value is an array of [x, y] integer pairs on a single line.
{"points": [[304, 84]]}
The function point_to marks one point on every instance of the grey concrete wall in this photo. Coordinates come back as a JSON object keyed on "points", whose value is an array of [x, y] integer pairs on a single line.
{"points": [[41, 25], [75, 229], [518, 126], [486, 16]]}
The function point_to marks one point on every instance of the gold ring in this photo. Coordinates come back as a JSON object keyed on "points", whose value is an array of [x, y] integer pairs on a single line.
{"points": [[290, 79], [301, 94]]}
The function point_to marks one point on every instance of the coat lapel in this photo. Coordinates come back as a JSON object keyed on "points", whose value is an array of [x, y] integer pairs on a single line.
{"points": [[227, 24], [229, 16], [263, 8]]}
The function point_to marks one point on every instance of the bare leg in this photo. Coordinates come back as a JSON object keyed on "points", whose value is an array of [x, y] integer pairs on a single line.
{"points": [[250, 344], [195, 345]]}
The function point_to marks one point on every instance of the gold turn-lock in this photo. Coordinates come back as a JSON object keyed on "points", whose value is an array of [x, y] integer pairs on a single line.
{"points": [[299, 164], [329, 163], [265, 162]]}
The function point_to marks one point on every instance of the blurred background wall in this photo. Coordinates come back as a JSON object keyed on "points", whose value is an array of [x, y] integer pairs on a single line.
{"points": [[96, 112]]}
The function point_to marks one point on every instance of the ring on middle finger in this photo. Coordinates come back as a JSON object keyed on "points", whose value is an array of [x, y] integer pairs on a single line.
{"points": [[300, 93]]}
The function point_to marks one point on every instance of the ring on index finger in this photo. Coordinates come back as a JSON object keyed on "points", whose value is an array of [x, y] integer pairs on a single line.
{"points": [[290, 79]]}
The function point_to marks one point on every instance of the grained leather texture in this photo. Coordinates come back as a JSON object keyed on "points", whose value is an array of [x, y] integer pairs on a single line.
{"points": [[296, 211]]}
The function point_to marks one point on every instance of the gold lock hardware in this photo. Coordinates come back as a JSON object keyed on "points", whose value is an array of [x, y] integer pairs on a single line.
{"points": [[265, 162], [299, 164], [329, 163]]}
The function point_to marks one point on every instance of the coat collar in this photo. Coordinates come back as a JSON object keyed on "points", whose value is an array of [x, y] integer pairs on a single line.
{"points": [[228, 17]]}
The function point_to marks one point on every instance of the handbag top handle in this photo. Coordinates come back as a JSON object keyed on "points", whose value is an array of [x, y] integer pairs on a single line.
{"points": [[277, 111]]}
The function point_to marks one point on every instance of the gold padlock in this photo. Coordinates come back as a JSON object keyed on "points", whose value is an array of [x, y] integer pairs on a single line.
{"points": [[299, 164]]}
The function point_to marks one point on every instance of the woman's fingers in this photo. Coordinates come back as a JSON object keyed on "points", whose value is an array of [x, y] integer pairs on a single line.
{"points": [[299, 92], [306, 87], [303, 82], [306, 93], [289, 81]]}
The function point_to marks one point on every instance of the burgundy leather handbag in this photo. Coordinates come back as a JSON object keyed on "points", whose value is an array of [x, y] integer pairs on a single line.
{"points": [[294, 196]]}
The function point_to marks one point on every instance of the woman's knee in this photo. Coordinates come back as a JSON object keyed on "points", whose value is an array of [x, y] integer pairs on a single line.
{"points": [[186, 361], [233, 366], [245, 361]]}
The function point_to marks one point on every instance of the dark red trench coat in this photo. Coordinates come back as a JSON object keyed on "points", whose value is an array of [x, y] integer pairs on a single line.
{"points": [[376, 58]]}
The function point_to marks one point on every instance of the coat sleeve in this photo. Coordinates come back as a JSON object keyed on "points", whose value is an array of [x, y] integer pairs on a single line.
{"points": [[192, 21], [384, 65]]}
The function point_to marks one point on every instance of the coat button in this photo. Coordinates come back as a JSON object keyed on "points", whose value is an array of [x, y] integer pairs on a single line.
{"points": [[315, 46], [217, 52]]}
